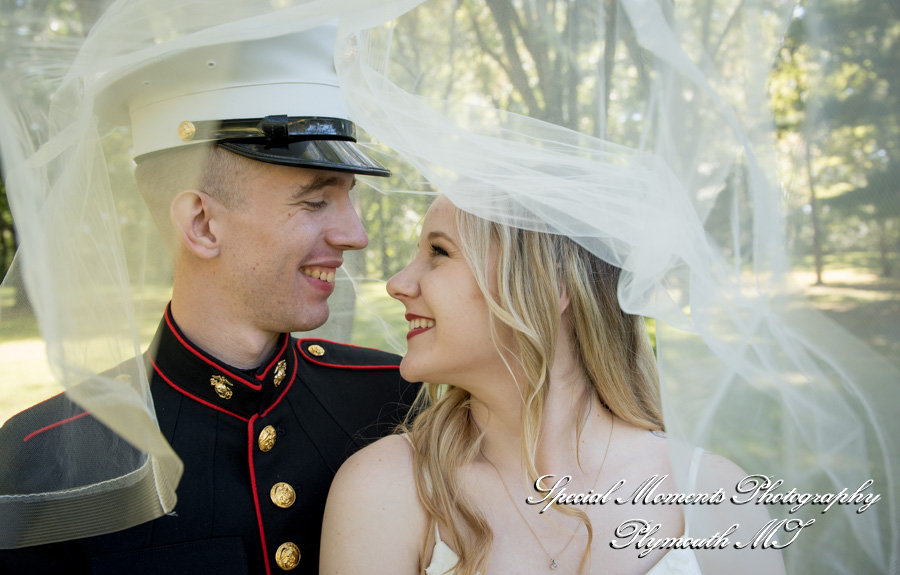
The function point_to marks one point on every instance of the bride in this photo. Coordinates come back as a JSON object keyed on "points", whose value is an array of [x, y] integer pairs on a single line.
{"points": [[539, 388]]}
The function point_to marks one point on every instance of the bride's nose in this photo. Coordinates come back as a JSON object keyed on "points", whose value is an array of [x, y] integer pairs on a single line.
{"points": [[404, 284]]}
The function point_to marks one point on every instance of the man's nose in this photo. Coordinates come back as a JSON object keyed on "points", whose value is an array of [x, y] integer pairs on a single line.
{"points": [[349, 233]]}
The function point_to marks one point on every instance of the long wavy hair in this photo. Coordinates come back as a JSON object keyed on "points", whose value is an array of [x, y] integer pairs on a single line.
{"points": [[522, 274]]}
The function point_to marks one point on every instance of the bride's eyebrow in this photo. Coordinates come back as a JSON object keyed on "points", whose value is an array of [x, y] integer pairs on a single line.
{"points": [[439, 234]]}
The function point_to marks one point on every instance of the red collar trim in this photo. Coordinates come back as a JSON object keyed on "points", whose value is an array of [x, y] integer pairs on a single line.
{"points": [[302, 348], [278, 356], [191, 395]]}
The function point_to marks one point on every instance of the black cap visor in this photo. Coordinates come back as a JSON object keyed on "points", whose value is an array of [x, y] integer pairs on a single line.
{"points": [[334, 155], [306, 142]]}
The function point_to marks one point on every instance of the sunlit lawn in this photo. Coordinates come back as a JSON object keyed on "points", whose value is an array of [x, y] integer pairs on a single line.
{"points": [[857, 297], [854, 296], [23, 356]]}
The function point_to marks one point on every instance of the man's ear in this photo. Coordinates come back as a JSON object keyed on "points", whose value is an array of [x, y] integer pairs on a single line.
{"points": [[193, 214]]}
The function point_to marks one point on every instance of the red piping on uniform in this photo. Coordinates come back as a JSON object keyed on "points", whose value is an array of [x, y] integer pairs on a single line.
{"points": [[57, 424], [261, 376], [286, 387], [194, 397], [317, 362], [343, 344], [262, 535], [190, 348]]}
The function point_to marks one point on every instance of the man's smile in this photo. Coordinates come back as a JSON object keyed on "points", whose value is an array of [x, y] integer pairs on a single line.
{"points": [[319, 273]]}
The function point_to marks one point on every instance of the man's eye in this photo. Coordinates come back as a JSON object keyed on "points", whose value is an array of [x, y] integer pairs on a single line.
{"points": [[315, 205], [437, 251]]}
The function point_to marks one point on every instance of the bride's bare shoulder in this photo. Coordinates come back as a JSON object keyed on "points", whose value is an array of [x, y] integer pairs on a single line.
{"points": [[372, 507], [362, 471]]}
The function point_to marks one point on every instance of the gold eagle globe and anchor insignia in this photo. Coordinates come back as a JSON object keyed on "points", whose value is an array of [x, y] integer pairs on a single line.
{"points": [[287, 556], [282, 495], [186, 131], [221, 385], [280, 372], [266, 440]]}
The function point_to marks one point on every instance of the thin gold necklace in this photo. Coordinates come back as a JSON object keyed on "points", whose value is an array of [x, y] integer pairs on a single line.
{"points": [[553, 563]]}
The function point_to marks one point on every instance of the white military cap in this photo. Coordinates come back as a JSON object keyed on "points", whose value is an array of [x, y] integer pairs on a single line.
{"points": [[275, 100]]}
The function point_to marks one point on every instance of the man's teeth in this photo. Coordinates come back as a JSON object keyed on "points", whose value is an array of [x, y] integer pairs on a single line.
{"points": [[420, 323], [326, 275]]}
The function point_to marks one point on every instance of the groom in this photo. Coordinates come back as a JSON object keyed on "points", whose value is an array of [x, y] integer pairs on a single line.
{"points": [[248, 175]]}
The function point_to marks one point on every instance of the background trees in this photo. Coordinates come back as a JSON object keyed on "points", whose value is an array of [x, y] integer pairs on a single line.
{"points": [[834, 92]]}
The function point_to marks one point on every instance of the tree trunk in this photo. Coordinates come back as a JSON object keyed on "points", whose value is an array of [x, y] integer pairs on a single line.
{"points": [[609, 59], [814, 212], [883, 247], [383, 225]]}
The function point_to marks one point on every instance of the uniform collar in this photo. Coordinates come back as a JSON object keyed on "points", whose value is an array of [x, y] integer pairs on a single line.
{"points": [[214, 383]]}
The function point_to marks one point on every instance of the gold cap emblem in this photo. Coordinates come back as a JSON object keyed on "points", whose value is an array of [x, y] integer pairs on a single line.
{"points": [[266, 438], [124, 378], [283, 495], [186, 131], [280, 372], [316, 350], [287, 556], [221, 385]]}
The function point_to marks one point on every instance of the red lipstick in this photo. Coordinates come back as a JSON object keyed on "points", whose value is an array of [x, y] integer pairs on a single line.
{"points": [[416, 331]]}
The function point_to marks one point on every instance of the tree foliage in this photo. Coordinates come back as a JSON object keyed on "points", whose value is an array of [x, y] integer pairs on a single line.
{"points": [[834, 93]]}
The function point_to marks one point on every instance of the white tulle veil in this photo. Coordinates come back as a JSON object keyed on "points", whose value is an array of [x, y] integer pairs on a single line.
{"points": [[651, 142]]}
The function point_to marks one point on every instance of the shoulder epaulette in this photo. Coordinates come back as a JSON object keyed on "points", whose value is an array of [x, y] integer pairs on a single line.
{"points": [[345, 356]]}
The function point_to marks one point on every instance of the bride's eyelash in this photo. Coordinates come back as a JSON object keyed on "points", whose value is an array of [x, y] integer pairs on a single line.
{"points": [[437, 251]]}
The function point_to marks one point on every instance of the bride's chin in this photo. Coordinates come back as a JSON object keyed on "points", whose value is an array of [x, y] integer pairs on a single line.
{"points": [[408, 370]]}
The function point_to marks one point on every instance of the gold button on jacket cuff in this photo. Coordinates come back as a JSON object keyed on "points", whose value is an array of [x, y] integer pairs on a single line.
{"points": [[287, 556], [267, 438], [283, 495], [316, 350]]}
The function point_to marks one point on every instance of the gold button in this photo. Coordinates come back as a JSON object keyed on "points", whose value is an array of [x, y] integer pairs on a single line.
{"points": [[282, 495], [316, 350], [186, 131], [221, 385], [267, 438], [287, 556], [280, 372]]}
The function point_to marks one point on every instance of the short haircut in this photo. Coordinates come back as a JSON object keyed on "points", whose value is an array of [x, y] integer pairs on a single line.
{"points": [[207, 167]]}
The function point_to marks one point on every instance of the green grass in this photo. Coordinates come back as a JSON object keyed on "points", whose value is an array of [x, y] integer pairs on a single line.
{"points": [[854, 295], [379, 320]]}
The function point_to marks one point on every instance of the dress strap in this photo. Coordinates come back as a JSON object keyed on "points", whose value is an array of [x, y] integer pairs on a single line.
{"points": [[694, 469]]}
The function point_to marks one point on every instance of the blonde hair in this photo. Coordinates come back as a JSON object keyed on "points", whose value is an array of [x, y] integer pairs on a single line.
{"points": [[522, 274]]}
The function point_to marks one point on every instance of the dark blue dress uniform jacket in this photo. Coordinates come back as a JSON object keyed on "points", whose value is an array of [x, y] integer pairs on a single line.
{"points": [[259, 449]]}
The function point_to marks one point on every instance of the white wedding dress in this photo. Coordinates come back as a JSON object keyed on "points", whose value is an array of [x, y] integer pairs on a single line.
{"points": [[674, 562]]}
